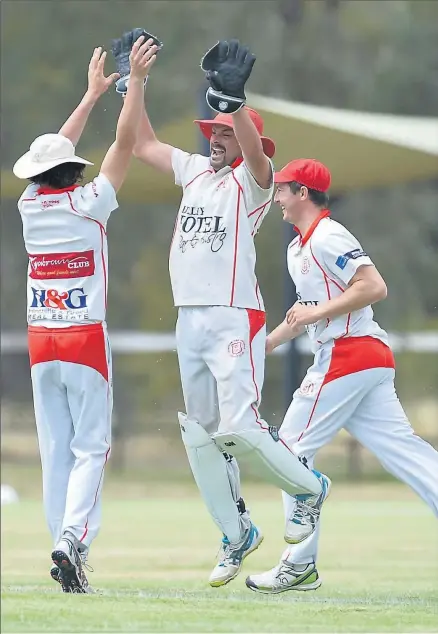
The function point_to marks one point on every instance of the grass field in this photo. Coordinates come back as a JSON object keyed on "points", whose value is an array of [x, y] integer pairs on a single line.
{"points": [[378, 561]]}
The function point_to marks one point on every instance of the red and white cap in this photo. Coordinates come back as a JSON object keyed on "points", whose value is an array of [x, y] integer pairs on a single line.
{"points": [[206, 126], [308, 172]]}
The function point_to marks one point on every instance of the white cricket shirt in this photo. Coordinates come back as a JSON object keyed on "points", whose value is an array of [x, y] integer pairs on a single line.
{"points": [[212, 255], [321, 264], [65, 237]]}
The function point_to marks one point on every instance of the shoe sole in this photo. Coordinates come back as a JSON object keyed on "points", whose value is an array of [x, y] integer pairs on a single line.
{"points": [[218, 584], [298, 588], [54, 573], [70, 581], [292, 542]]}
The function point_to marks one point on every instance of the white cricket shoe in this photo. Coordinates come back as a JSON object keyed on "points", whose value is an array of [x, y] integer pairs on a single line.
{"points": [[285, 576], [307, 511], [232, 556], [69, 560]]}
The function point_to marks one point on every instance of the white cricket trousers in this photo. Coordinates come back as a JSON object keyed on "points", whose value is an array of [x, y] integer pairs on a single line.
{"points": [[221, 354], [351, 385], [72, 391]]}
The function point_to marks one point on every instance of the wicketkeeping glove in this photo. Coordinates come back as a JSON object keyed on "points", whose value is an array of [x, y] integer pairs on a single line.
{"points": [[121, 49], [228, 66]]}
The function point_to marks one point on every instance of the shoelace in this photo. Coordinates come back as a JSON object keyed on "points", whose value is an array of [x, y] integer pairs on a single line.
{"points": [[285, 568], [284, 571], [227, 552], [303, 510], [85, 563]]}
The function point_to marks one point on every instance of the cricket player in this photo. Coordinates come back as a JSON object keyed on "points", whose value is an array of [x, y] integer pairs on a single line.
{"points": [[221, 331], [64, 229], [351, 382]]}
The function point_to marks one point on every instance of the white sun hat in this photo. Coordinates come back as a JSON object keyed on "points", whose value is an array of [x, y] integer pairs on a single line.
{"points": [[47, 151]]}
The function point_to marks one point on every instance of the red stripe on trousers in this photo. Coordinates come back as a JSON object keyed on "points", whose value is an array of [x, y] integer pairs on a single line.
{"points": [[257, 319]]}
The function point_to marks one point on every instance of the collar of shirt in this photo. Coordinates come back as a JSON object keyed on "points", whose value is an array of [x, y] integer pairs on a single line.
{"points": [[48, 191], [303, 239]]}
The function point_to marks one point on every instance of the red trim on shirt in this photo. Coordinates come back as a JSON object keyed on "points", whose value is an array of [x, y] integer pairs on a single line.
{"points": [[47, 191], [324, 214], [256, 210], [238, 161], [83, 216], [236, 237], [254, 231], [197, 176], [105, 277], [326, 277], [257, 295], [84, 345], [102, 233], [351, 355]]}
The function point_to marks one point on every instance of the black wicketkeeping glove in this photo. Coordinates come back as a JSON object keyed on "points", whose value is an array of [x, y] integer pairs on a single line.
{"points": [[228, 66], [121, 49]]}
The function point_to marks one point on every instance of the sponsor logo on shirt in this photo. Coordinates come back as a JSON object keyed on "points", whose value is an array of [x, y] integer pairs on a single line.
{"points": [[198, 228], [61, 265], [342, 260], [65, 305], [46, 204]]}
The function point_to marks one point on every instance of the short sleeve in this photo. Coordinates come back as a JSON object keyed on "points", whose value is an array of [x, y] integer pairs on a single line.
{"points": [[96, 199], [29, 194], [187, 167], [342, 255], [255, 196]]}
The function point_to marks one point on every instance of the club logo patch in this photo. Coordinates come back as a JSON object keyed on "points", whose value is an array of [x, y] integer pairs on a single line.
{"points": [[307, 387], [236, 348], [305, 265]]}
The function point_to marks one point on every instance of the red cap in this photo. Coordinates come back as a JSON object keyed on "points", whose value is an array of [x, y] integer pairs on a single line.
{"points": [[308, 172], [206, 126]]}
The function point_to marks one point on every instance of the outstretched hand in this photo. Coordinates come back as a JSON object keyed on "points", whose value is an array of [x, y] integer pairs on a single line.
{"points": [[97, 82], [142, 57]]}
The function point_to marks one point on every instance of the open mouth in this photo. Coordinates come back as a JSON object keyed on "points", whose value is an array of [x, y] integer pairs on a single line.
{"points": [[217, 153]]}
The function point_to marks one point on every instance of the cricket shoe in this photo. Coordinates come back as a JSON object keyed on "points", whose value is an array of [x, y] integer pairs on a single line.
{"points": [[232, 556], [306, 514], [56, 575], [67, 558], [285, 576]]}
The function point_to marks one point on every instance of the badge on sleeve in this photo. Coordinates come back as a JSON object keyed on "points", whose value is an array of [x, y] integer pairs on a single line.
{"points": [[342, 260]]}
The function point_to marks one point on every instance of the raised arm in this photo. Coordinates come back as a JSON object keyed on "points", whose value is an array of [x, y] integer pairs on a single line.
{"points": [[228, 66], [149, 149], [97, 85], [252, 149], [116, 162]]}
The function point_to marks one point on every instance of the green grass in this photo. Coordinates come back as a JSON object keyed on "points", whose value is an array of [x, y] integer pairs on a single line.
{"points": [[378, 561]]}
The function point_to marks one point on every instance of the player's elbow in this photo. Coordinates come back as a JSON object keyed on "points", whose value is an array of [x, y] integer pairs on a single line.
{"points": [[379, 291], [144, 151], [138, 150]]}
